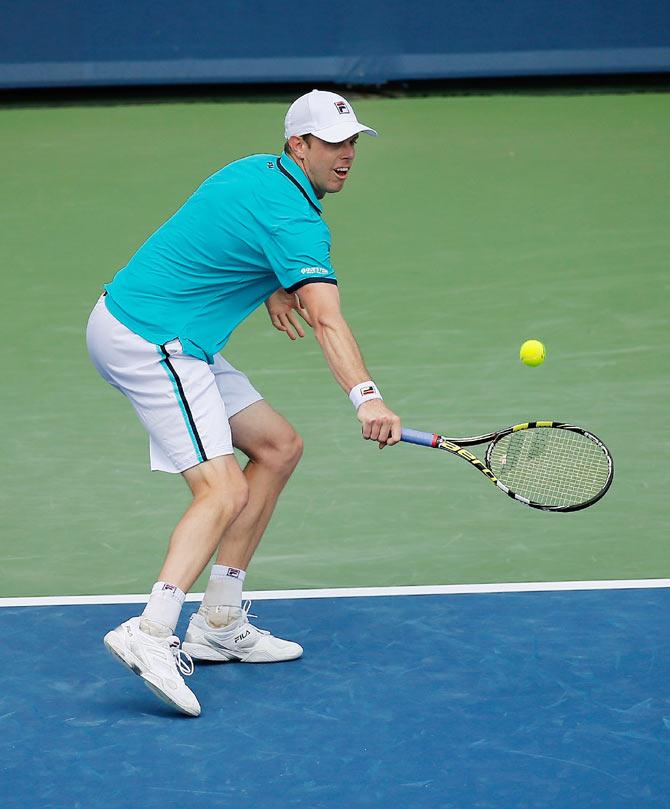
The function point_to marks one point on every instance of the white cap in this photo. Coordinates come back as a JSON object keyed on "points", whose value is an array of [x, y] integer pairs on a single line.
{"points": [[326, 115]]}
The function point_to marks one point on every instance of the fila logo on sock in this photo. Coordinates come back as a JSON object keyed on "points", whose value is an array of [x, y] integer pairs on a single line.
{"points": [[169, 587], [233, 572]]}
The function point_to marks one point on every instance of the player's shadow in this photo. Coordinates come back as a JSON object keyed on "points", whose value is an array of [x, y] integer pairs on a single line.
{"points": [[122, 706]]}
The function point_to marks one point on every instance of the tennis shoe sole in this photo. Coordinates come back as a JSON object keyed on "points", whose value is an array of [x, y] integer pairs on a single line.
{"points": [[116, 643]]}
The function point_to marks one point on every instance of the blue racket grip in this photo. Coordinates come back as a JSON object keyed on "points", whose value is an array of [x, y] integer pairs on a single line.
{"points": [[417, 437]]}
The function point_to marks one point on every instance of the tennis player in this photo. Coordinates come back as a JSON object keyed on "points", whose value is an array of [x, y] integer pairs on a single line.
{"points": [[252, 233]]}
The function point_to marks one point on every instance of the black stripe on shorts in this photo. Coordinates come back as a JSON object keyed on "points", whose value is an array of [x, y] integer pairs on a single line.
{"points": [[184, 401]]}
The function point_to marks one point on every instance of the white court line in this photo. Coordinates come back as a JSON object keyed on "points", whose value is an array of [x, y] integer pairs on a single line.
{"points": [[358, 592]]}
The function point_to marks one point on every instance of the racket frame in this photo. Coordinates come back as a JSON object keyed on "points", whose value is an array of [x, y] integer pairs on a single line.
{"points": [[456, 446]]}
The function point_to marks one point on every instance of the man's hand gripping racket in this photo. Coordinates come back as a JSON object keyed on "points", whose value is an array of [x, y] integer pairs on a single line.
{"points": [[547, 465]]}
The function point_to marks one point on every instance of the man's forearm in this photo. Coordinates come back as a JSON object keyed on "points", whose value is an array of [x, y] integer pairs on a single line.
{"points": [[341, 351]]}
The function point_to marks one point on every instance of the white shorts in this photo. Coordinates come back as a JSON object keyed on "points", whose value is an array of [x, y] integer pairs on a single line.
{"points": [[183, 403]]}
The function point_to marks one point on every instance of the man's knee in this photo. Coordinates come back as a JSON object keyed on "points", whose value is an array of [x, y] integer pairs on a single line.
{"points": [[280, 451], [294, 449], [224, 489], [228, 500], [237, 494]]}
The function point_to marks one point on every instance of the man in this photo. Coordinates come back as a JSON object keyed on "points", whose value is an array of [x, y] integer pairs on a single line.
{"points": [[251, 233]]}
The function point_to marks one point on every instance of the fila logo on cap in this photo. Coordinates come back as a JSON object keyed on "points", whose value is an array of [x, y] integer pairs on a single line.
{"points": [[324, 114]]}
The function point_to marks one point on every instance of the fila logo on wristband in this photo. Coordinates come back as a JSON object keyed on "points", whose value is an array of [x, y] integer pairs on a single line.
{"points": [[364, 392]]}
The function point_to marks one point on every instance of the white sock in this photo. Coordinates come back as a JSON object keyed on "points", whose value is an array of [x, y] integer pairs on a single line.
{"points": [[223, 596], [161, 613], [224, 587]]}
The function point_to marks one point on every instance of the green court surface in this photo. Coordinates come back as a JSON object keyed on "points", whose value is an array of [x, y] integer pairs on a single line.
{"points": [[472, 224]]}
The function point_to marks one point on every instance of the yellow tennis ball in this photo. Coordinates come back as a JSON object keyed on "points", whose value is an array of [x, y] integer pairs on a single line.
{"points": [[532, 353]]}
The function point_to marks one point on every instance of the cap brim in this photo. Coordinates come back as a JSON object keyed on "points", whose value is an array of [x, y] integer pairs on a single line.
{"points": [[343, 131]]}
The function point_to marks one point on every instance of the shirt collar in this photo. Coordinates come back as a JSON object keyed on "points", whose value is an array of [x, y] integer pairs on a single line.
{"points": [[299, 178]]}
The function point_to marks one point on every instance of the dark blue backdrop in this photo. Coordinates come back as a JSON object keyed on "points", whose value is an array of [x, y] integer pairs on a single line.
{"points": [[97, 42]]}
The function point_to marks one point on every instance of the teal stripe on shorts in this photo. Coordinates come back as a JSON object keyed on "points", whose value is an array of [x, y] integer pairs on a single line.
{"points": [[199, 453]]}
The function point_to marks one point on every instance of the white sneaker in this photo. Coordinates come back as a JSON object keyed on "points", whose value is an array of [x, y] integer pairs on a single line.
{"points": [[239, 640], [158, 661]]}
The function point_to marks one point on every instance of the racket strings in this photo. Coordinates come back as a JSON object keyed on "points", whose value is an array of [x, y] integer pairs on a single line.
{"points": [[550, 467]]}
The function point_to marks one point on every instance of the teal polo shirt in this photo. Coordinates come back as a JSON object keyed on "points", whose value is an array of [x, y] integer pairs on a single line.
{"points": [[253, 227]]}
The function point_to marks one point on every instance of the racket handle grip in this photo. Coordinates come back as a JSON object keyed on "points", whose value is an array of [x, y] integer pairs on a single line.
{"points": [[417, 437]]}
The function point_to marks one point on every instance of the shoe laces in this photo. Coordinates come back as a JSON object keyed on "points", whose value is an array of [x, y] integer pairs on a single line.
{"points": [[182, 659], [246, 606]]}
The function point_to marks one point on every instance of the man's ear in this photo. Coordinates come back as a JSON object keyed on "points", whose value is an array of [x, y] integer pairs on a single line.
{"points": [[298, 146]]}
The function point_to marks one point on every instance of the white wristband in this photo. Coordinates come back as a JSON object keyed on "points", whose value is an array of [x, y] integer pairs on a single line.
{"points": [[364, 392]]}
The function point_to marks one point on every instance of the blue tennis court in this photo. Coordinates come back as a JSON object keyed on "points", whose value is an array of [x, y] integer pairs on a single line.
{"points": [[554, 699]]}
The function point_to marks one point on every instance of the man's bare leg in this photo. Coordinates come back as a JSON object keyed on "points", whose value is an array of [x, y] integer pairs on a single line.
{"points": [[274, 449], [220, 630], [220, 494]]}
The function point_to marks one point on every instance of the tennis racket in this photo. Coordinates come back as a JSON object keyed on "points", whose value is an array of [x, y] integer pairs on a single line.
{"points": [[543, 464]]}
